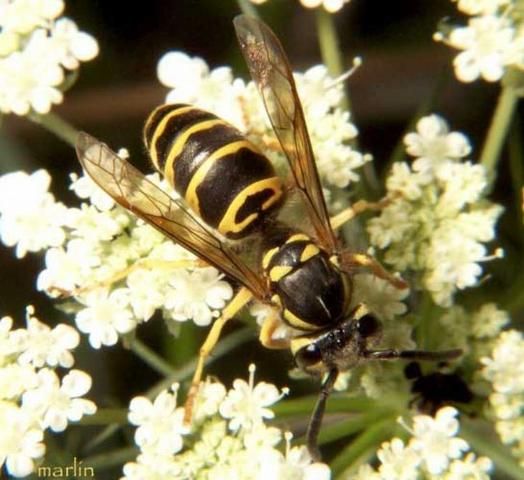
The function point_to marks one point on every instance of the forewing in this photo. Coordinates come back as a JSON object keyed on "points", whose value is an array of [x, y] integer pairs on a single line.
{"points": [[131, 189], [270, 70]]}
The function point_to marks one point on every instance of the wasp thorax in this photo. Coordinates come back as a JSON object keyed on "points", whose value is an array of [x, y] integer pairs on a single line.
{"points": [[312, 292]]}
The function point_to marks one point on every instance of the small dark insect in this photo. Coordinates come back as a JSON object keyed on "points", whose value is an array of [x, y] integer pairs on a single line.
{"points": [[436, 389], [229, 191]]}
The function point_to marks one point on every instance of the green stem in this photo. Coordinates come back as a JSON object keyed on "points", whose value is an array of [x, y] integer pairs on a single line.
{"points": [[368, 440], [329, 48], [350, 426], [223, 347], [484, 440], [247, 8], [155, 361], [516, 167], [111, 459], [513, 300], [336, 404], [498, 129], [105, 416], [57, 125], [425, 321]]}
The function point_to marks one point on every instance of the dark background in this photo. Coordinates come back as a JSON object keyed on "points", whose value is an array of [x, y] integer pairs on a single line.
{"points": [[402, 69]]}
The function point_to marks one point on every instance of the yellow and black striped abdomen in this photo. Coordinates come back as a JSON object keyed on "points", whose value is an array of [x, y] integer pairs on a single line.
{"points": [[220, 174]]}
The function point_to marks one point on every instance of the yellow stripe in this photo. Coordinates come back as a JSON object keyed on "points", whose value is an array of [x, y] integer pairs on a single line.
{"points": [[296, 322], [180, 143], [228, 223], [298, 342], [297, 237], [334, 261], [268, 256], [278, 272], [348, 290], [276, 300], [198, 177], [160, 128], [310, 251]]}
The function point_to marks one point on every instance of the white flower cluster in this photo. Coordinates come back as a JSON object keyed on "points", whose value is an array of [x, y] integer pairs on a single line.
{"points": [[229, 438], [232, 99], [492, 41], [33, 398], [331, 6], [119, 269], [37, 50], [433, 451], [504, 370], [473, 332], [439, 218]]}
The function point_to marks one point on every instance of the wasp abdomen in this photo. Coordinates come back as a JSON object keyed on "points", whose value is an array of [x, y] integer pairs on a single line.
{"points": [[310, 289], [220, 174]]}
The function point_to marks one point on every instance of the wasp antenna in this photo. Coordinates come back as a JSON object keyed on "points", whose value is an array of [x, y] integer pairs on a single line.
{"points": [[412, 354]]}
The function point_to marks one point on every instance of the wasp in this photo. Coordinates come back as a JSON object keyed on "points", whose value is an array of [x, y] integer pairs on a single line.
{"points": [[229, 191]]}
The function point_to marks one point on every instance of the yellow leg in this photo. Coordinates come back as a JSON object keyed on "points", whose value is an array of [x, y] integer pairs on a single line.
{"points": [[269, 326], [362, 260], [239, 300], [146, 264], [351, 212]]}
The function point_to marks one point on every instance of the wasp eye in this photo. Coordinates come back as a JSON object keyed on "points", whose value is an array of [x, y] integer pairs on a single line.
{"points": [[368, 325], [308, 356]]}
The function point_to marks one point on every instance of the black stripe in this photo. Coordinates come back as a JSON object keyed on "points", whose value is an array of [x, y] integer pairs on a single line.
{"points": [[175, 127], [155, 118], [198, 148], [227, 179], [253, 203]]}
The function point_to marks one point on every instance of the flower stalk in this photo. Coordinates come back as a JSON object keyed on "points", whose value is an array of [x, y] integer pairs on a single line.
{"points": [[499, 129], [483, 441], [367, 442], [156, 362], [247, 8], [55, 124], [330, 49]]}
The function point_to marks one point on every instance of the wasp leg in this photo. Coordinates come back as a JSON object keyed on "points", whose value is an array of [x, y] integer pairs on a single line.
{"points": [[357, 208], [350, 260], [271, 323], [313, 428], [230, 310], [146, 264]]}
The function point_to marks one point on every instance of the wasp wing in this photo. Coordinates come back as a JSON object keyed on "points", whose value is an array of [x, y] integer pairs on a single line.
{"points": [[270, 70], [131, 189]]}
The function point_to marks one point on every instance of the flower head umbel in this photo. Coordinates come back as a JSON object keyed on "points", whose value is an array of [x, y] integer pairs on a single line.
{"points": [[246, 404], [504, 371], [119, 269], [228, 438], [439, 219], [433, 451], [33, 397], [30, 218], [38, 49], [491, 42]]}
